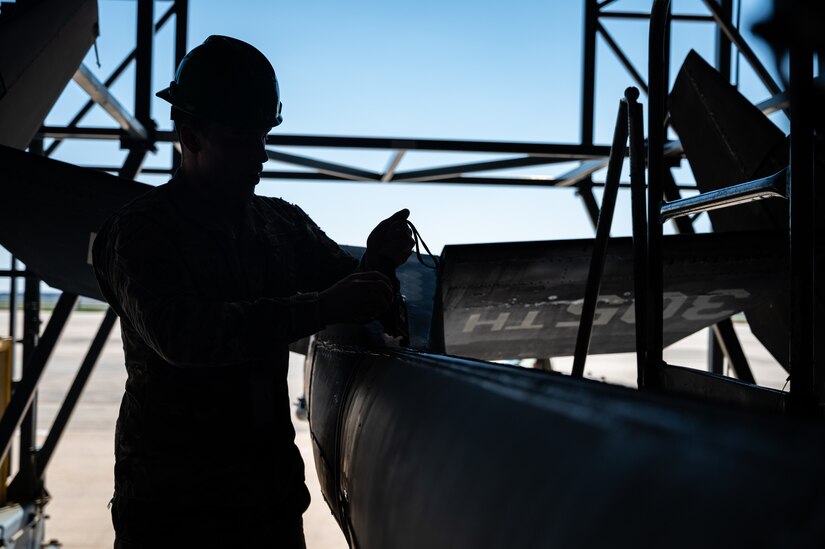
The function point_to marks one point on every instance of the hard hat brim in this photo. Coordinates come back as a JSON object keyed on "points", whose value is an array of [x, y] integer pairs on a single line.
{"points": [[165, 94]]}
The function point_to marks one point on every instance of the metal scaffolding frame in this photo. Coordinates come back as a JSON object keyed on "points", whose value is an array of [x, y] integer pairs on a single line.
{"points": [[592, 157], [138, 136], [137, 132], [803, 399]]}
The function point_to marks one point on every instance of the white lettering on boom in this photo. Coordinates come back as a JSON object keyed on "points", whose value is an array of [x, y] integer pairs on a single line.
{"points": [[500, 323], [527, 323], [495, 325]]}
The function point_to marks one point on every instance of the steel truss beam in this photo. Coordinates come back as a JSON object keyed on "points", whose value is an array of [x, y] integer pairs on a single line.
{"points": [[563, 151], [114, 77], [331, 168], [593, 158], [101, 95]]}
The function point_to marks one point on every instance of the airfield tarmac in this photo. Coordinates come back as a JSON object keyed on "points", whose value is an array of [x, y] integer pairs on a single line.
{"points": [[80, 476]]}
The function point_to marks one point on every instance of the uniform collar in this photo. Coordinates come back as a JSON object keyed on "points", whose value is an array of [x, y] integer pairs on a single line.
{"points": [[209, 212]]}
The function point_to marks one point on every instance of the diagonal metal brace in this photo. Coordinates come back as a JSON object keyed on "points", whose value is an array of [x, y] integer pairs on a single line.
{"points": [[597, 261], [101, 95], [338, 170], [24, 391], [73, 396], [726, 337]]}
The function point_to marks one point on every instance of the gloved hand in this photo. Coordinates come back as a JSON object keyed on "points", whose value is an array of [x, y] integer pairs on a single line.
{"points": [[389, 244], [359, 297]]}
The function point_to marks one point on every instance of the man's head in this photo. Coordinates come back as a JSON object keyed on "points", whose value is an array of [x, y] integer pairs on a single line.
{"points": [[229, 81], [225, 99]]}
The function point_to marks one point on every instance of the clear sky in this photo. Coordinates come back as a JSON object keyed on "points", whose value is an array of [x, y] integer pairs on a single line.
{"points": [[451, 69]]}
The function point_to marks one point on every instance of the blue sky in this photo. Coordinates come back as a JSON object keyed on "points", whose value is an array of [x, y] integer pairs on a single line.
{"points": [[452, 69]]}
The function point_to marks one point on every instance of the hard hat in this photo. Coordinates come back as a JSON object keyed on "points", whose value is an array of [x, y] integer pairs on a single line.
{"points": [[228, 81]]}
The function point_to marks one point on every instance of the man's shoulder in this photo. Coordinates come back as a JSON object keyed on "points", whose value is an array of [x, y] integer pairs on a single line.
{"points": [[135, 218], [148, 203], [147, 207], [270, 202], [278, 208]]}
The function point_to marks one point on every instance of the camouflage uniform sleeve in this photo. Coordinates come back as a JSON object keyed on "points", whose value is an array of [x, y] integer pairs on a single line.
{"points": [[323, 261], [142, 276]]}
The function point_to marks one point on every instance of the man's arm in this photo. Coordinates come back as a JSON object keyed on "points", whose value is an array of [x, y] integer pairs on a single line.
{"points": [[147, 283], [322, 261]]}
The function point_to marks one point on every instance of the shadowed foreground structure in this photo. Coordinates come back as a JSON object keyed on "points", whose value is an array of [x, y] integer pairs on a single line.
{"points": [[451, 452]]}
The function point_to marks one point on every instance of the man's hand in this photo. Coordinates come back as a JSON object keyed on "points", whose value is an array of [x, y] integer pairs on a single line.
{"points": [[390, 243], [360, 297]]}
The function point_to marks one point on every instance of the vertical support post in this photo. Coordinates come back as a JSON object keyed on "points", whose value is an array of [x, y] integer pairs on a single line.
{"points": [[143, 61], [13, 309], [181, 27], [143, 87], [723, 43], [659, 59], [594, 275], [437, 342], [6, 347], [666, 64], [31, 337], [31, 341], [801, 214], [716, 360], [588, 106], [637, 203]]}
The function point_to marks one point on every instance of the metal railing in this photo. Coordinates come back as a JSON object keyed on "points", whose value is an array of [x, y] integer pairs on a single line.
{"points": [[654, 373]]}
